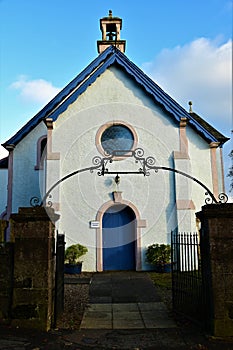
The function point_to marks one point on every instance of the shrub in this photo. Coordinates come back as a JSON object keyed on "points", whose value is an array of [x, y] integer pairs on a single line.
{"points": [[74, 252], [158, 254]]}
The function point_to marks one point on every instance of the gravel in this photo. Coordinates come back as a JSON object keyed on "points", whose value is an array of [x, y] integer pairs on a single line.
{"points": [[76, 297]]}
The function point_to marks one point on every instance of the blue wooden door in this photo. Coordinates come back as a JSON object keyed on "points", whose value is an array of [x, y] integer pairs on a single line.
{"points": [[118, 238]]}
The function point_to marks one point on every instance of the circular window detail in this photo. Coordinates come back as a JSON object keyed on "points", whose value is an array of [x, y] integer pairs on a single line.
{"points": [[117, 137]]}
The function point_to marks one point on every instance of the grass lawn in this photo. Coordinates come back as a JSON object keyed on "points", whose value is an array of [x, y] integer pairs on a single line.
{"points": [[163, 280]]}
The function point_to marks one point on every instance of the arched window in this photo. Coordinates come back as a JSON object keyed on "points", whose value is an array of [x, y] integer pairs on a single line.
{"points": [[41, 152]]}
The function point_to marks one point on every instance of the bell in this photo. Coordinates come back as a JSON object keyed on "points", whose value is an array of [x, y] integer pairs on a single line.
{"points": [[111, 36]]}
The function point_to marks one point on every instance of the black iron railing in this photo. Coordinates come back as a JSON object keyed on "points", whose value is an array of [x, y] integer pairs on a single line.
{"points": [[191, 292]]}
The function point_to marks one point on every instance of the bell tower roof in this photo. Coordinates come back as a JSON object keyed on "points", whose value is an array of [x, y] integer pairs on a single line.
{"points": [[110, 27]]}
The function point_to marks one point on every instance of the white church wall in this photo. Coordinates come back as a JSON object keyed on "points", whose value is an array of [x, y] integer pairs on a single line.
{"points": [[200, 160], [25, 177], [3, 189], [114, 98]]}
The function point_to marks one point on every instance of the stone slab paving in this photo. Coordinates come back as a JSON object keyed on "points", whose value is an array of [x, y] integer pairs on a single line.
{"points": [[122, 287], [127, 316], [125, 300]]}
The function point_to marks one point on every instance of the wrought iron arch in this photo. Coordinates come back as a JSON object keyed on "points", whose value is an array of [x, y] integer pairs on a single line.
{"points": [[146, 165]]}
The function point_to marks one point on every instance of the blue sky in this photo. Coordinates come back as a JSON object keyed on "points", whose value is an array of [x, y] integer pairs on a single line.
{"points": [[185, 46]]}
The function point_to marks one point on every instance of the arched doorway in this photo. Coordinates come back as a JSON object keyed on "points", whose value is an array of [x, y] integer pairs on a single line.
{"points": [[119, 238]]}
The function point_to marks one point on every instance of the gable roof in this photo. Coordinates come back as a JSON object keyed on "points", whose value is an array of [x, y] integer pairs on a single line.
{"points": [[81, 82], [220, 137]]}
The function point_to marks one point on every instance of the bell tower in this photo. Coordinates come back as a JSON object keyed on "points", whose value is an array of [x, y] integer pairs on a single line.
{"points": [[110, 27]]}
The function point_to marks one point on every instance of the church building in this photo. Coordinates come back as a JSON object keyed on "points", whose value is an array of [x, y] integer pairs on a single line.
{"points": [[118, 159]]}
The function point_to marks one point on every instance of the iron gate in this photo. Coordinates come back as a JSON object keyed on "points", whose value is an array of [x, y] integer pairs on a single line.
{"points": [[191, 284], [59, 276]]}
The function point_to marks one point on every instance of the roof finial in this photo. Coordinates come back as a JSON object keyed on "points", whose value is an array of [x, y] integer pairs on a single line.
{"points": [[110, 13], [190, 107]]}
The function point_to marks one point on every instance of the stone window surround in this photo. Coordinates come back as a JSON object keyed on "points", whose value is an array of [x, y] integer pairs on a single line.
{"points": [[106, 126]]}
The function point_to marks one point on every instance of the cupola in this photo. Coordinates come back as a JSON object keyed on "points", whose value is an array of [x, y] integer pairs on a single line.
{"points": [[110, 27]]}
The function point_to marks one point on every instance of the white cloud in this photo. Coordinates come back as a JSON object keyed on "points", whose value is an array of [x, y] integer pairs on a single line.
{"points": [[3, 152], [38, 90], [200, 71]]}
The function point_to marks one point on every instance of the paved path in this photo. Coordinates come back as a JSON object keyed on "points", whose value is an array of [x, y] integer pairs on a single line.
{"points": [[135, 293], [125, 300]]}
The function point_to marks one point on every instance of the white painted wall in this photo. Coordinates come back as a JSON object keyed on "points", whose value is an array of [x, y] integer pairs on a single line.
{"points": [[113, 97], [3, 189], [25, 177], [200, 157]]}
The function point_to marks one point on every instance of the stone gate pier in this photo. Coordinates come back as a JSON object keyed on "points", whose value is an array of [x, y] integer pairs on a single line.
{"points": [[33, 235], [217, 229]]}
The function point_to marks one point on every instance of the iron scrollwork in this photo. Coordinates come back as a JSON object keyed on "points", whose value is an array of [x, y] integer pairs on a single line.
{"points": [[146, 165], [35, 202], [222, 198]]}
